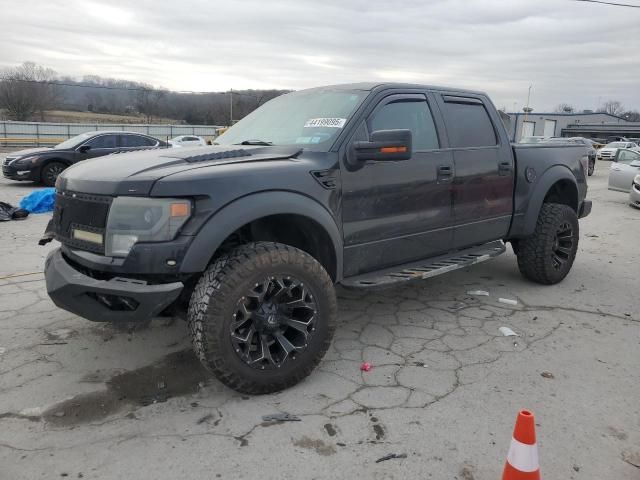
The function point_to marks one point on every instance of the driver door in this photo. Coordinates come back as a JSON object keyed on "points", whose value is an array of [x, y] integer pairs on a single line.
{"points": [[99, 145], [395, 212]]}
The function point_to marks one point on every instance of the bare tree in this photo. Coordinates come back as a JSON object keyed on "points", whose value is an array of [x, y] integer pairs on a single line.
{"points": [[148, 101], [631, 116], [26, 90], [564, 108], [612, 107]]}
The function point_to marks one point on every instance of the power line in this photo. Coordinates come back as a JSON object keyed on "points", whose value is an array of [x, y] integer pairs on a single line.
{"points": [[613, 4]]}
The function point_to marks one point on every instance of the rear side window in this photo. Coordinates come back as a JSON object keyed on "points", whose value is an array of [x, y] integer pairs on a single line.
{"points": [[468, 124], [408, 115], [131, 141]]}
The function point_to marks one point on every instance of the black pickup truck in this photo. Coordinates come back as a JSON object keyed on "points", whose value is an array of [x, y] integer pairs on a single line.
{"points": [[364, 185]]}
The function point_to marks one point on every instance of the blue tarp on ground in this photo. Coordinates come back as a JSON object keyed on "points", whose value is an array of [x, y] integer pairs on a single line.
{"points": [[39, 201]]}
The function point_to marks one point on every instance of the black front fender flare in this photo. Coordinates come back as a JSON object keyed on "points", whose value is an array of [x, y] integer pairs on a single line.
{"points": [[253, 207]]}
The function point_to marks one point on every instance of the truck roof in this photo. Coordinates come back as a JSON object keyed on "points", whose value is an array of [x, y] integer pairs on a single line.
{"points": [[369, 86]]}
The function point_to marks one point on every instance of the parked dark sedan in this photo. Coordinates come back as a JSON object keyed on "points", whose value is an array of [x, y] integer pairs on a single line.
{"points": [[43, 165]]}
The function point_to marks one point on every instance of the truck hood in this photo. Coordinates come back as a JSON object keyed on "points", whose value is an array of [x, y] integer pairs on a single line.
{"points": [[135, 173]]}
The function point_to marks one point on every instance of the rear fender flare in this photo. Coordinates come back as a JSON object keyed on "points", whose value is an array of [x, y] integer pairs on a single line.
{"points": [[541, 189], [253, 207]]}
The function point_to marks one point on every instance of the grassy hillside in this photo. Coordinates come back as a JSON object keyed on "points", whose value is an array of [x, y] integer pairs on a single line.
{"points": [[67, 116]]}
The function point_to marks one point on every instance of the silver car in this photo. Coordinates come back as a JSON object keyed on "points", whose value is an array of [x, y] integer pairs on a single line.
{"points": [[634, 194], [624, 168]]}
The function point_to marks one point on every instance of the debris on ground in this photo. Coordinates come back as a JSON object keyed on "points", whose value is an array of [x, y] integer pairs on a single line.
{"points": [[9, 212], [478, 293], [39, 201], [466, 472], [548, 375], [281, 417], [632, 458], [592, 235], [508, 301], [391, 456], [366, 366], [507, 332], [204, 419]]}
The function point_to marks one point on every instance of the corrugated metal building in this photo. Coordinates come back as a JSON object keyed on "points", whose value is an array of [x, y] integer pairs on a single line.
{"points": [[600, 125]]}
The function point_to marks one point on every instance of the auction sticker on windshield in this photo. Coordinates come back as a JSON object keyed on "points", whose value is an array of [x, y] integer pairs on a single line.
{"points": [[325, 122]]}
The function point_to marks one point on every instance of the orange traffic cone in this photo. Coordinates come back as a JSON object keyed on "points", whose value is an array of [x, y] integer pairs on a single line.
{"points": [[522, 459]]}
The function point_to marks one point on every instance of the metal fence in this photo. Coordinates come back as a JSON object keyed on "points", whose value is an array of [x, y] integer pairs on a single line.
{"points": [[42, 133]]}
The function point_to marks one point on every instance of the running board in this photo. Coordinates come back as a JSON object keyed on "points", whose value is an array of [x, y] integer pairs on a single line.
{"points": [[427, 268]]}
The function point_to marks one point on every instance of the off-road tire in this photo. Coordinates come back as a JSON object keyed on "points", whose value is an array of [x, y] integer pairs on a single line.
{"points": [[215, 298], [536, 253], [48, 175]]}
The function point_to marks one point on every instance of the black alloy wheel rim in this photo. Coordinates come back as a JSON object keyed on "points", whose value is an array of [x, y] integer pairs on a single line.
{"points": [[273, 322], [562, 245], [53, 172]]}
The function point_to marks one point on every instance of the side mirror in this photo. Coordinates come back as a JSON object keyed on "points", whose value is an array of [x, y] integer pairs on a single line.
{"points": [[84, 148], [385, 145]]}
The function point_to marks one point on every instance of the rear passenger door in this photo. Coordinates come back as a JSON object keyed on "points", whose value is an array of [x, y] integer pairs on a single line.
{"points": [[484, 172]]}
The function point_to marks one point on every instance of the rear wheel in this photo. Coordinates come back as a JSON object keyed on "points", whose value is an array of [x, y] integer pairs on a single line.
{"points": [[547, 256], [592, 166], [50, 173], [262, 317]]}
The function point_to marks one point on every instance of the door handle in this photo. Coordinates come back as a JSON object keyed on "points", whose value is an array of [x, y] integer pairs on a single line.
{"points": [[445, 173], [504, 168]]}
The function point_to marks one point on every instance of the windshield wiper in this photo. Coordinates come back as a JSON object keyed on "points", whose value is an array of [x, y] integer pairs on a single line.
{"points": [[255, 142]]}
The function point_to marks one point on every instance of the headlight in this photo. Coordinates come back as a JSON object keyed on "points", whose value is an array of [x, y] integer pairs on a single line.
{"points": [[132, 220], [636, 180], [25, 162]]}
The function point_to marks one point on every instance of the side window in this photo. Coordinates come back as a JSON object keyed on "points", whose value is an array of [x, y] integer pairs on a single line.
{"points": [[410, 115], [103, 141], [132, 141], [469, 125], [627, 156]]}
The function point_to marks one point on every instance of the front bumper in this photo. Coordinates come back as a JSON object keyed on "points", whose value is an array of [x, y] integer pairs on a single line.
{"points": [[634, 196], [14, 173], [114, 300], [585, 209]]}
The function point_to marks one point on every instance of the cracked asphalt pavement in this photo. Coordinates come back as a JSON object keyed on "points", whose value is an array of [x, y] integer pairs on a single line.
{"points": [[83, 400]]}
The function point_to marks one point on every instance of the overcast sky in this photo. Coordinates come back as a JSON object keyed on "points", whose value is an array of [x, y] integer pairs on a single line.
{"points": [[570, 51]]}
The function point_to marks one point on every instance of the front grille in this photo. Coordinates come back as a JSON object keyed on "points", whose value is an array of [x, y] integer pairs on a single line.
{"points": [[78, 210], [7, 160]]}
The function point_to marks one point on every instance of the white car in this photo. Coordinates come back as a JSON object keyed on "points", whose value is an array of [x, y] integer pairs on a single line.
{"points": [[187, 141], [608, 152], [624, 169]]}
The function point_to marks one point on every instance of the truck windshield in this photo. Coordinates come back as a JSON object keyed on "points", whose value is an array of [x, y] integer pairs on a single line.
{"points": [[309, 118]]}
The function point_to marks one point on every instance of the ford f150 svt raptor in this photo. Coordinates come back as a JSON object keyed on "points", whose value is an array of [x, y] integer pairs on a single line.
{"points": [[364, 185]]}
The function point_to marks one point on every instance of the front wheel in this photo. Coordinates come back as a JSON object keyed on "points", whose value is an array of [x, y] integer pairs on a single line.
{"points": [[547, 256], [50, 173], [262, 317]]}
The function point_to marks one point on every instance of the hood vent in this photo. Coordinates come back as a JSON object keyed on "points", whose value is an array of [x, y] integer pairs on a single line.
{"points": [[235, 153]]}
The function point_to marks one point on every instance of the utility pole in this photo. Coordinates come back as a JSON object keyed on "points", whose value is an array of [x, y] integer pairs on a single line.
{"points": [[527, 109], [231, 107]]}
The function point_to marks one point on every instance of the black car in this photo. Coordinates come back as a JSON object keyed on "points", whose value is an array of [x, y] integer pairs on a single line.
{"points": [[43, 165]]}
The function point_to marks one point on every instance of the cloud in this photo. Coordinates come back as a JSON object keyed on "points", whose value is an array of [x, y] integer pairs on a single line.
{"points": [[569, 51]]}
